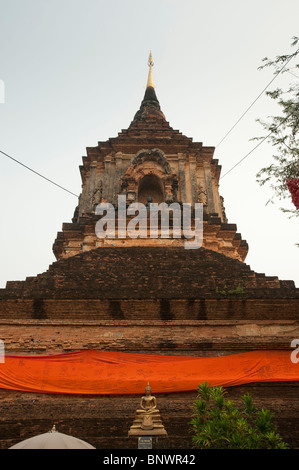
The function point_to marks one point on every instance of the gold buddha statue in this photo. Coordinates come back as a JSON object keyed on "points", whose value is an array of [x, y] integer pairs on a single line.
{"points": [[147, 419]]}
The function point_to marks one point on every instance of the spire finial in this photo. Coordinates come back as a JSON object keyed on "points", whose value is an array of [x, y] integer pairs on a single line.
{"points": [[150, 81]]}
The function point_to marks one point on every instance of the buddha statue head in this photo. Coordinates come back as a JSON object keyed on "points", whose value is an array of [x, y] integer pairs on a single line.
{"points": [[148, 389]]}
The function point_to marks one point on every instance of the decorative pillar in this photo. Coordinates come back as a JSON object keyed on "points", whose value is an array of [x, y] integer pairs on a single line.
{"points": [[182, 176], [107, 177], [194, 188], [117, 175], [210, 197]]}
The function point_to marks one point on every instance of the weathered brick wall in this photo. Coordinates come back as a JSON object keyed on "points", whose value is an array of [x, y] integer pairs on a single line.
{"points": [[104, 421], [231, 308], [81, 236], [146, 300], [198, 338], [148, 273], [149, 300]]}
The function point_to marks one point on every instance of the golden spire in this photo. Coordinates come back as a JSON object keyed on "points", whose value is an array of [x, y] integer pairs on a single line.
{"points": [[150, 81]]}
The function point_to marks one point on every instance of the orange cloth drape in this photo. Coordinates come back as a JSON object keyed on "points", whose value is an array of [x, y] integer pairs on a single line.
{"points": [[101, 372]]}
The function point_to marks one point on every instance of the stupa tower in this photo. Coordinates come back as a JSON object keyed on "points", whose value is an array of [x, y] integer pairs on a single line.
{"points": [[144, 296], [150, 160]]}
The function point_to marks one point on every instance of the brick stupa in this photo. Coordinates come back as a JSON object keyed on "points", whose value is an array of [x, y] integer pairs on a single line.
{"points": [[145, 295]]}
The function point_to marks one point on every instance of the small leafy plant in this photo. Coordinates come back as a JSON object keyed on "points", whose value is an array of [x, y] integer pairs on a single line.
{"points": [[218, 423], [238, 290]]}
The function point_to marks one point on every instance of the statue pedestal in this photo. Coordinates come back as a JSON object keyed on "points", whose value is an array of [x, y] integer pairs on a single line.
{"points": [[151, 432], [147, 424]]}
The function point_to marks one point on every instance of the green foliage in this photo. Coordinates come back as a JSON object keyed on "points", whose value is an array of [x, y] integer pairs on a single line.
{"points": [[218, 423], [224, 291], [283, 130]]}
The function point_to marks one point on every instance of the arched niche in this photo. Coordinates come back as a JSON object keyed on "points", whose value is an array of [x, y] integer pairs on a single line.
{"points": [[150, 186], [149, 175]]}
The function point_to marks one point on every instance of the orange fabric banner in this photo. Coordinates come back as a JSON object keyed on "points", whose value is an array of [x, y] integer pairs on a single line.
{"points": [[102, 372]]}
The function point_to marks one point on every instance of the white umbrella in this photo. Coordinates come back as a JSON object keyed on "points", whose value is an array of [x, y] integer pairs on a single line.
{"points": [[52, 440]]}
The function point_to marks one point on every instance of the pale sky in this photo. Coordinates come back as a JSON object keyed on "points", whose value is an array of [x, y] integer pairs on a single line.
{"points": [[75, 73]]}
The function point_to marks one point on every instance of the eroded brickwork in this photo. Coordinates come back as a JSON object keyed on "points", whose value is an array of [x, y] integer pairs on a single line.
{"points": [[140, 299], [143, 300], [104, 421], [148, 273]]}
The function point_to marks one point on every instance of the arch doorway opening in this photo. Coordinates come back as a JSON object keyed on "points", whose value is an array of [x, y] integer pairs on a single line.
{"points": [[150, 189]]}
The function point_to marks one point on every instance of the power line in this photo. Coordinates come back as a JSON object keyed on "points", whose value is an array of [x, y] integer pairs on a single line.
{"points": [[261, 141], [296, 76], [247, 155], [249, 107], [38, 174]]}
